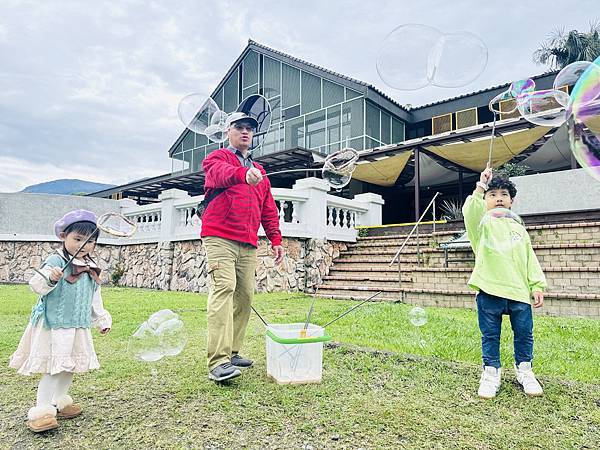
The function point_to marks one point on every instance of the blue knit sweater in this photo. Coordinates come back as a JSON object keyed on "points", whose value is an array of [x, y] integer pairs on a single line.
{"points": [[68, 305]]}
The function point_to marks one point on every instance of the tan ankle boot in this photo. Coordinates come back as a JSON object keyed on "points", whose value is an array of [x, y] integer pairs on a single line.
{"points": [[66, 408], [42, 418]]}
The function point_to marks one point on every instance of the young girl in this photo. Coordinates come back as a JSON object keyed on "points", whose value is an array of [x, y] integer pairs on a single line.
{"points": [[57, 341]]}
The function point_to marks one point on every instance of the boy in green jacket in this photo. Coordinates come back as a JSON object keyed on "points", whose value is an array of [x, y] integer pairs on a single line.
{"points": [[506, 276]]}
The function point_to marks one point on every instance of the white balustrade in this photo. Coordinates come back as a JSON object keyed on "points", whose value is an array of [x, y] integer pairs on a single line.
{"points": [[305, 211]]}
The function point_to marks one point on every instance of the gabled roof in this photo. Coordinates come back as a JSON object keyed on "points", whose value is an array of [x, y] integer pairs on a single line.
{"points": [[369, 91], [345, 80]]}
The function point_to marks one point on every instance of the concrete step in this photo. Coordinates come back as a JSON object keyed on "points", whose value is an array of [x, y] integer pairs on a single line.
{"points": [[555, 303], [576, 232], [368, 278]]}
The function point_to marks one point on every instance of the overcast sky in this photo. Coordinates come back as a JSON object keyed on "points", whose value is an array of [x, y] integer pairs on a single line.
{"points": [[89, 89]]}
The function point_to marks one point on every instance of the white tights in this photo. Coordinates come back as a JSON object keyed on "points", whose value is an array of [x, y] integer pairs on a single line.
{"points": [[53, 387]]}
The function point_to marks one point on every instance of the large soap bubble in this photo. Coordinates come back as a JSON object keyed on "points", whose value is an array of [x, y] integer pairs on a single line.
{"points": [[196, 112], [521, 87], [545, 107], [457, 59], [569, 75], [163, 334], [404, 57], [413, 56], [584, 120], [417, 316]]}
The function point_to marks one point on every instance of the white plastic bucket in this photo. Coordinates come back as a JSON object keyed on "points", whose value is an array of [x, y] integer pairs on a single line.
{"points": [[295, 355]]}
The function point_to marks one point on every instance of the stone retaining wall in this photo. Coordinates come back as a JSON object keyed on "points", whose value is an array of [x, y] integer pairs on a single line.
{"points": [[181, 266]]}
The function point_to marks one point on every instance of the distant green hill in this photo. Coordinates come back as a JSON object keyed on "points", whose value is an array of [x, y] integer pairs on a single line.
{"points": [[67, 187]]}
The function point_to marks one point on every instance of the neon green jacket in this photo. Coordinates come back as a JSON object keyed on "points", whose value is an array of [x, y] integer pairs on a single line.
{"points": [[505, 264]]}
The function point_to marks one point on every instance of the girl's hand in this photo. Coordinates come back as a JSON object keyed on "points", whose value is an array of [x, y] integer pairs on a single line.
{"points": [[104, 330], [55, 274]]}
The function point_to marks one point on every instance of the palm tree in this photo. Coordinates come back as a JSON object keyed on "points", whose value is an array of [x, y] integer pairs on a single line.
{"points": [[561, 48]]}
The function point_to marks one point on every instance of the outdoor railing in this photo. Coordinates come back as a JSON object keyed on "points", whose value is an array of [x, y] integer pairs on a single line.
{"points": [[415, 227], [305, 211]]}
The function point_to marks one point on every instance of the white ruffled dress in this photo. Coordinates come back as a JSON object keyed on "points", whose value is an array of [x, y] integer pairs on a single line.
{"points": [[46, 350]]}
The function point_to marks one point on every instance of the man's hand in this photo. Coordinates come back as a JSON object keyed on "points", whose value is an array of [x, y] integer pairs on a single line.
{"points": [[253, 176], [538, 299], [55, 274], [279, 253]]}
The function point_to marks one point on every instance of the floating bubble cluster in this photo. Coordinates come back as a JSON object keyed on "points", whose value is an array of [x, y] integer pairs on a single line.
{"points": [[553, 107], [202, 115], [413, 56], [163, 334]]}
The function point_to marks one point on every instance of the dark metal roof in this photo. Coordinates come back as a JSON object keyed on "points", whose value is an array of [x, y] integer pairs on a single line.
{"points": [[475, 99], [148, 189]]}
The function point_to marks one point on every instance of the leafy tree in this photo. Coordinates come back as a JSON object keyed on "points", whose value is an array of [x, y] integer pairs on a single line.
{"points": [[562, 48]]}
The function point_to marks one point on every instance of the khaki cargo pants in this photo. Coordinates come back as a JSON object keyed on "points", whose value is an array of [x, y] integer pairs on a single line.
{"points": [[231, 267]]}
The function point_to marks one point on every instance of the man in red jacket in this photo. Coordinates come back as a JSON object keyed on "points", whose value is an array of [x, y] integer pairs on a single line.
{"points": [[241, 201]]}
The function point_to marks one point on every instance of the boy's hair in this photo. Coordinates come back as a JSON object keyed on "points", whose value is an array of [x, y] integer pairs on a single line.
{"points": [[84, 228], [501, 182]]}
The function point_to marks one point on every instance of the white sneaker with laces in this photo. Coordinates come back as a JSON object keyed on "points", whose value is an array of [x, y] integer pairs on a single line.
{"points": [[527, 379], [489, 382]]}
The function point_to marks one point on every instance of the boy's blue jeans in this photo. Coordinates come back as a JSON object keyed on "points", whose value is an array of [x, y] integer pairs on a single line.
{"points": [[489, 311]]}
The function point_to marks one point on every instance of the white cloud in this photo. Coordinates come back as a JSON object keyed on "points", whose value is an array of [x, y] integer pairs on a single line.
{"points": [[17, 173], [96, 87]]}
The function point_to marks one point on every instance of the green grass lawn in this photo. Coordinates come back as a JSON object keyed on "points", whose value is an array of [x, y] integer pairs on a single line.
{"points": [[386, 383]]}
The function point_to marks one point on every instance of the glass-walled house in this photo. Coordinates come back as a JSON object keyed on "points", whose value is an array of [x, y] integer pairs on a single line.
{"points": [[312, 108]]}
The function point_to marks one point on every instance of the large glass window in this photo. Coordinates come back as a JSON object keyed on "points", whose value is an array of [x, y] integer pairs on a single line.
{"points": [[371, 143], [250, 70], [294, 133], [332, 93], [275, 109], [307, 111], [188, 140], [230, 93], [397, 131], [356, 144], [290, 86], [291, 112], [311, 93], [218, 98], [248, 92], [350, 94], [386, 127], [198, 156], [270, 144], [334, 116], [372, 122], [182, 161], [315, 129], [272, 77], [201, 140], [352, 119]]}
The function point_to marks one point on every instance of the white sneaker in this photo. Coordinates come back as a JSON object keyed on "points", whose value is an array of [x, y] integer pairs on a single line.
{"points": [[527, 379], [489, 382]]}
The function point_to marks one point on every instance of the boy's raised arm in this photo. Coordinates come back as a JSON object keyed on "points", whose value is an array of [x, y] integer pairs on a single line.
{"points": [[474, 208]]}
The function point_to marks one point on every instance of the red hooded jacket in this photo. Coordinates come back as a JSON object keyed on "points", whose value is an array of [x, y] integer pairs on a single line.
{"points": [[238, 211]]}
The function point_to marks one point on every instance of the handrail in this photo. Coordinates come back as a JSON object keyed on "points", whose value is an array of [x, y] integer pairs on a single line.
{"points": [[414, 228]]}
